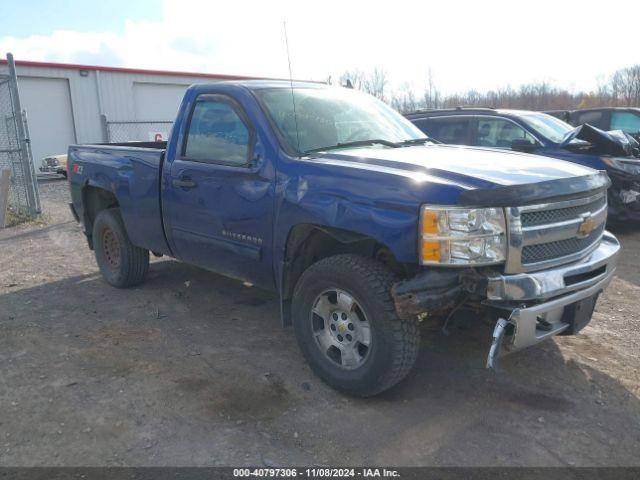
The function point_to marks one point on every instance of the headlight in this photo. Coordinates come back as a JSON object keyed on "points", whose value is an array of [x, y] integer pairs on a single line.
{"points": [[624, 164], [462, 236], [51, 162]]}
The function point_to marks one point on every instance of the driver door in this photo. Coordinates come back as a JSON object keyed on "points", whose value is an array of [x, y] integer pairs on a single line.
{"points": [[220, 195]]}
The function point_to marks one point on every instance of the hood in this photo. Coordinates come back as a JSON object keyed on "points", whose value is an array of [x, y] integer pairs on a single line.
{"points": [[470, 167], [615, 143], [483, 176]]}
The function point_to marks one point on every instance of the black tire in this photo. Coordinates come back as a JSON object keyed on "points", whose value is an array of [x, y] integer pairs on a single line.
{"points": [[394, 342], [121, 263]]}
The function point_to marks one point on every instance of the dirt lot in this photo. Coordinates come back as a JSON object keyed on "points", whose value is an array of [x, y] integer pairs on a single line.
{"points": [[194, 369]]}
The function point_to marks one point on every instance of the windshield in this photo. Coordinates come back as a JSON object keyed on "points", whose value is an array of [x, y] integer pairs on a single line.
{"points": [[328, 117], [550, 127], [626, 121]]}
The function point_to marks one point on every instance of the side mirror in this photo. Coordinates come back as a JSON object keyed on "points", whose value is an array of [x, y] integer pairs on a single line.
{"points": [[523, 145]]}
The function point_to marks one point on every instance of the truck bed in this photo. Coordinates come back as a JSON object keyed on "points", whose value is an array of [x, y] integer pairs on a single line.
{"points": [[132, 172]]}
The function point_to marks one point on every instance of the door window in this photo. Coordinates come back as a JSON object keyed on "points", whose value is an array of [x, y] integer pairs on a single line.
{"points": [[217, 133], [625, 121], [448, 130], [592, 118], [499, 133]]}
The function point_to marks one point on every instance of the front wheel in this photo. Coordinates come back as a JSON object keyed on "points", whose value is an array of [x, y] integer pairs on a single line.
{"points": [[347, 328]]}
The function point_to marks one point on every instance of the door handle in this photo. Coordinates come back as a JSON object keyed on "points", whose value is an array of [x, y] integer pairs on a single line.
{"points": [[183, 182]]}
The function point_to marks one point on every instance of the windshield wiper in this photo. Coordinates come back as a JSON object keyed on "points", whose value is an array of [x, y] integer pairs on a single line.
{"points": [[356, 143], [416, 141]]}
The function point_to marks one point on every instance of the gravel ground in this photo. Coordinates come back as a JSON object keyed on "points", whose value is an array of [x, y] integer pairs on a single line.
{"points": [[191, 368]]}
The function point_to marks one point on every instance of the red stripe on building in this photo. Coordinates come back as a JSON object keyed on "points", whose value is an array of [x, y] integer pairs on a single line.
{"points": [[73, 66]]}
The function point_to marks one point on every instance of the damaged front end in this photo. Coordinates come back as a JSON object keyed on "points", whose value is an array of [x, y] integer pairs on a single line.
{"points": [[615, 143], [430, 292], [524, 308], [551, 260]]}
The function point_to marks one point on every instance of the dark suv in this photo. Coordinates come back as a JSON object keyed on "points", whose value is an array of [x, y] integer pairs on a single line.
{"points": [[537, 132], [623, 118]]}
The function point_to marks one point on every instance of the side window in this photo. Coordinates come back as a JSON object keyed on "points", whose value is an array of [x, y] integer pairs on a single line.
{"points": [[216, 133], [499, 133], [626, 121], [592, 118], [448, 130], [424, 124]]}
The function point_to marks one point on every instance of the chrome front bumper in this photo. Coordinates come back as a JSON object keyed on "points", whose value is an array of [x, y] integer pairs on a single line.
{"points": [[596, 268], [559, 288]]}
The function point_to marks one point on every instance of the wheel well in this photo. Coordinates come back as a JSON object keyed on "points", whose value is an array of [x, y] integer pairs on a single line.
{"points": [[95, 200], [308, 244]]}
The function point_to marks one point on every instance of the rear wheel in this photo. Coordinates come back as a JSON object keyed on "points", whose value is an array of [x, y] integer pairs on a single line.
{"points": [[121, 263], [345, 323]]}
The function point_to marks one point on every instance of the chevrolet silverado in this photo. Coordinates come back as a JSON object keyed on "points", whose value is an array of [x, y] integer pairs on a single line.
{"points": [[362, 225]]}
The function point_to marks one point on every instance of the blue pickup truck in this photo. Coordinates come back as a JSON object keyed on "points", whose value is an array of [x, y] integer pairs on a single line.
{"points": [[364, 227]]}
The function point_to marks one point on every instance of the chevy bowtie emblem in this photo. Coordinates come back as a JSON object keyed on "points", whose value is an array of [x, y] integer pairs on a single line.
{"points": [[586, 227]]}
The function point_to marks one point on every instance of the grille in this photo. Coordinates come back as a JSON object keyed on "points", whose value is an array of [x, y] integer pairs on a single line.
{"points": [[545, 235], [543, 217], [561, 248]]}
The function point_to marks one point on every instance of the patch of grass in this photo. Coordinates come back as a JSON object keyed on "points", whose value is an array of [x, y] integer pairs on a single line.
{"points": [[14, 218]]}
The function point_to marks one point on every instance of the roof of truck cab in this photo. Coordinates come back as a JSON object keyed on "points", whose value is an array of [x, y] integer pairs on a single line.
{"points": [[262, 84]]}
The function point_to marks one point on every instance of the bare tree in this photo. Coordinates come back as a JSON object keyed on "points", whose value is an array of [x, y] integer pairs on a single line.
{"points": [[431, 96], [625, 86], [621, 89], [376, 83], [354, 78], [405, 101]]}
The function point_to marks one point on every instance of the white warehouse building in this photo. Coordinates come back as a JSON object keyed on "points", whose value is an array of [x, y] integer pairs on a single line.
{"points": [[67, 104]]}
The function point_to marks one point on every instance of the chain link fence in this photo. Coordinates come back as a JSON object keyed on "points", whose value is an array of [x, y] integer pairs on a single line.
{"points": [[15, 152], [136, 131]]}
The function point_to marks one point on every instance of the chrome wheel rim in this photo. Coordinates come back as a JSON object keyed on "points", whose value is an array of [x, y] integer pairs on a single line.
{"points": [[341, 329]]}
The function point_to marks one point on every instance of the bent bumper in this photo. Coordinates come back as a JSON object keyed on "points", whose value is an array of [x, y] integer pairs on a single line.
{"points": [[558, 316], [568, 296]]}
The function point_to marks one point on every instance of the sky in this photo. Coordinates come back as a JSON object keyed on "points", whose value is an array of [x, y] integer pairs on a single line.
{"points": [[481, 45]]}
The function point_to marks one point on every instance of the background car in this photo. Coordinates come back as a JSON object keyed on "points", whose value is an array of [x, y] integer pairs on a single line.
{"points": [[625, 119], [543, 134], [55, 164]]}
